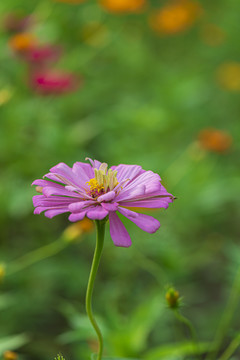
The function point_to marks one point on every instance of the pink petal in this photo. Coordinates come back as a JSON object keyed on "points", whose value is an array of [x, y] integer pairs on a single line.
{"points": [[144, 222], [41, 200], [84, 171], [118, 232], [127, 171], [95, 163], [78, 206], [77, 217], [149, 179], [110, 206], [107, 197], [53, 190], [41, 182], [148, 203], [53, 212], [40, 209], [62, 169], [97, 213], [132, 193], [65, 174], [53, 177]]}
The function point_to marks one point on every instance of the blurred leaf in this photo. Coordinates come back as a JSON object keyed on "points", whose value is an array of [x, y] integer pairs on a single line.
{"points": [[6, 300], [180, 349], [94, 357], [133, 334], [12, 342]]}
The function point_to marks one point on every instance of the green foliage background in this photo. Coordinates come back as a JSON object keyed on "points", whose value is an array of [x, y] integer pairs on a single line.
{"points": [[144, 100]]}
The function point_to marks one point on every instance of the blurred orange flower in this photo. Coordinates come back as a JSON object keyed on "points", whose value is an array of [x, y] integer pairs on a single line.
{"points": [[228, 76], [122, 6], [22, 42], [214, 140], [175, 17], [86, 225], [212, 35], [10, 355]]}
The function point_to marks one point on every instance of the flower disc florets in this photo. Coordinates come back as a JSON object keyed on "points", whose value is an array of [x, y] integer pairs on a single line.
{"points": [[105, 180], [98, 192]]}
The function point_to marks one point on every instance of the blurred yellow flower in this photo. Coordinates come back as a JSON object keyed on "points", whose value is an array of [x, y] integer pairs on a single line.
{"points": [[175, 17], [72, 232], [214, 140], [122, 6], [212, 35], [228, 76], [10, 355], [95, 34], [22, 42]]}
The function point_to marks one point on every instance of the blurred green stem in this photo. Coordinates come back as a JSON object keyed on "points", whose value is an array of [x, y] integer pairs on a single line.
{"points": [[36, 255], [186, 322], [190, 327], [100, 226], [231, 348], [227, 317]]}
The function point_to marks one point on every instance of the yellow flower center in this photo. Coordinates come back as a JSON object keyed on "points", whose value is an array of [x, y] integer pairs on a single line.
{"points": [[94, 185], [105, 180]]}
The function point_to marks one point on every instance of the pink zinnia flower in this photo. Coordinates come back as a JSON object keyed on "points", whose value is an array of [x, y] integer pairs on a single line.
{"points": [[53, 82], [97, 192]]}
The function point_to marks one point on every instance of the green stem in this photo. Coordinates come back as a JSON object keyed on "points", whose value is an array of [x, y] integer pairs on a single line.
{"points": [[231, 348], [186, 322], [100, 226]]}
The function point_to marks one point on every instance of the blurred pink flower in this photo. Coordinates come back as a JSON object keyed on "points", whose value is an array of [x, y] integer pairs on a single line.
{"points": [[98, 192], [53, 82], [39, 55]]}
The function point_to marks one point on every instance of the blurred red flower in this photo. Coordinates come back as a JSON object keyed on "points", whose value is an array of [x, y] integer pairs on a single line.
{"points": [[53, 82]]}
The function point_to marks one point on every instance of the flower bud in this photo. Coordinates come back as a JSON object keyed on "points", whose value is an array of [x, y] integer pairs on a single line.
{"points": [[39, 189], [172, 298]]}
